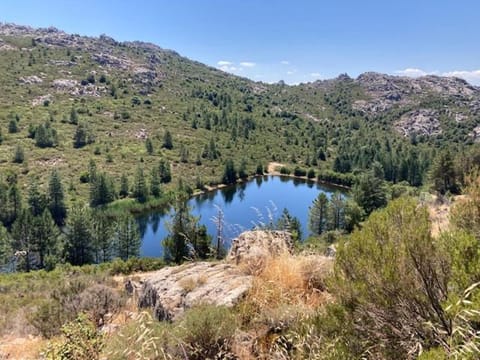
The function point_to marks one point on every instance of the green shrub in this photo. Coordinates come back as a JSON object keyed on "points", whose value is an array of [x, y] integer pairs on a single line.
{"points": [[299, 172], [207, 331], [80, 340]]}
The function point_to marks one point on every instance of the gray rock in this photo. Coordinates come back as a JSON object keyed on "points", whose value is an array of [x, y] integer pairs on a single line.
{"points": [[419, 122], [252, 245], [33, 79], [171, 290]]}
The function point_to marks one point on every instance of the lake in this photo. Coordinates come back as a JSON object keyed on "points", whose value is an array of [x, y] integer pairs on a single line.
{"points": [[244, 206]]}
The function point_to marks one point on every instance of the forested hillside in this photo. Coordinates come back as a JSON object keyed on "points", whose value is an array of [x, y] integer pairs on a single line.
{"points": [[67, 100]]}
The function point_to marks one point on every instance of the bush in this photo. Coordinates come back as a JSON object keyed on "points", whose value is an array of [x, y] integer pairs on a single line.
{"points": [[19, 155], [81, 340], [207, 331], [333, 177], [285, 171], [311, 174], [299, 172], [389, 270], [98, 301]]}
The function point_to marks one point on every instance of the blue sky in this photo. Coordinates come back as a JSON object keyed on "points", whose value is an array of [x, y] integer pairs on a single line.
{"points": [[296, 41]]}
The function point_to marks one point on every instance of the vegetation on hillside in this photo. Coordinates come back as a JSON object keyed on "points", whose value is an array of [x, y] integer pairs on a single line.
{"points": [[91, 135]]}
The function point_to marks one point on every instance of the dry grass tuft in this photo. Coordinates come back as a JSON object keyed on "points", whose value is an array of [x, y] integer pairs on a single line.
{"points": [[287, 281]]}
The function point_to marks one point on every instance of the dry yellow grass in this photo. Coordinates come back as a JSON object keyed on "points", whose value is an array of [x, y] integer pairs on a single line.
{"points": [[24, 348], [290, 280]]}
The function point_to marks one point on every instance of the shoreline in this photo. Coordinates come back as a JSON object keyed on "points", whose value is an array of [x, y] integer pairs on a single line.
{"points": [[271, 172], [138, 209]]}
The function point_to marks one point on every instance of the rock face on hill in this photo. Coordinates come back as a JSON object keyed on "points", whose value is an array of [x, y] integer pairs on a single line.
{"points": [[171, 290], [386, 91]]}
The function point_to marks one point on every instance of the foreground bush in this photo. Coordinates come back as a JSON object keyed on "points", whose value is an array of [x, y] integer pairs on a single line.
{"points": [[204, 332], [80, 340], [393, 277]]}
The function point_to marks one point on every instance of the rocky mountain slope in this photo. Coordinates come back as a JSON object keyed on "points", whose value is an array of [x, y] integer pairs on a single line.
{"points": [[128, 92]]}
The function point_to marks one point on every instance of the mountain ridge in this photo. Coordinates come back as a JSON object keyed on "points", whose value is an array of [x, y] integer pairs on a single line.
{"points": [[45, 35]]}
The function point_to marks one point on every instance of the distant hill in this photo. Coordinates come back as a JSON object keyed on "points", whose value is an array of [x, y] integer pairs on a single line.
{"points": [[123, 93]]}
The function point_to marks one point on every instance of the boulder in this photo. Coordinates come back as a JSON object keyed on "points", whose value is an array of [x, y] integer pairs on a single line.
{"points": [[171, 290], [257, 244]]}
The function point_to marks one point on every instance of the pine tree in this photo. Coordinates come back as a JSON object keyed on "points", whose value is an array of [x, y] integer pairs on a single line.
{"points": [[124, 187], [12, 126], [155, 183], [23, 238], [242, 170], [318, 214], [212, 150], [229, 174], [45, 136], [1, 136], [129, 241], [73, 116], [140, 190], [183, 154], [369, 192], [79, 244], [3, 203], [202, 242], [164, 171], [56, 202], [181, 232], [37, 202], [102, 190], [82, 136], [46, 244], [103, 235], [6, 251], [167, 140], [336, 212], [149, 146], [354, 214], [290, 223], [442, 174], [19, 154], [14, 204]]}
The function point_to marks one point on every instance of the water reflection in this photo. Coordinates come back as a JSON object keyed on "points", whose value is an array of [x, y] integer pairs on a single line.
{"points": [[228, 193], [267, 194]]}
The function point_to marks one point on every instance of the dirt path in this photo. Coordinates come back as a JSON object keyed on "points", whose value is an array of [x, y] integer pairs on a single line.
{"points": [[272, 168]]}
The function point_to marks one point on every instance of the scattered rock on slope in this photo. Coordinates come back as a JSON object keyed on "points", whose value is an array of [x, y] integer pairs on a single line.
{"points": [[420, 122]]}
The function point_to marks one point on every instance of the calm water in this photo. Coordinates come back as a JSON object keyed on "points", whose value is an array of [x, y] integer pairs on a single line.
{"points": [[244, 206]]}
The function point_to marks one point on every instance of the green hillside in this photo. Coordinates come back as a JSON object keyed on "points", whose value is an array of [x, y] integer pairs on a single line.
{"points": [[121, 94]]}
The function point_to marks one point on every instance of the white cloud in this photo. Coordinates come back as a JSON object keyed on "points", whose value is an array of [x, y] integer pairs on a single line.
{"points": [[285, 62], [247, 64], [291, 72], [228, 68], [472, 76], [315, 74], [412, 72], [224, 63]]}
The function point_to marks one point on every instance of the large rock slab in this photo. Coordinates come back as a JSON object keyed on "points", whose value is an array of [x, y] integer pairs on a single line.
{"points": [[171, 290]]}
